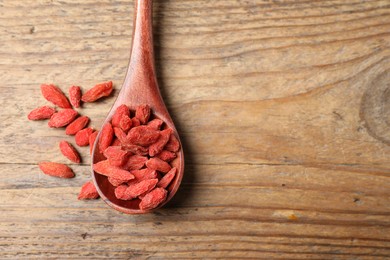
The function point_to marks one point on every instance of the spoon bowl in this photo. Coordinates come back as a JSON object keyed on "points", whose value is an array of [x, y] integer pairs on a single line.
{"points": [[140, 87]]}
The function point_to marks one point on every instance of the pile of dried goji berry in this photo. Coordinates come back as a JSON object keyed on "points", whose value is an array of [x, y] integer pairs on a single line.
{"points": [[138, 147]]}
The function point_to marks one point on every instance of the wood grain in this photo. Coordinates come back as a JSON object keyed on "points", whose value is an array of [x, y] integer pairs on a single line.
{"points": [[283, 108]]}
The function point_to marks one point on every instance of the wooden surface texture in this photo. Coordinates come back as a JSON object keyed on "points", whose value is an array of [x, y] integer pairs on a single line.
{"points": [[283, 108]]}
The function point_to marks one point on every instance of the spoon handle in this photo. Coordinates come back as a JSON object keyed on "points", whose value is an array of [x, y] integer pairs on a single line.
{"points": [[140, 85]]}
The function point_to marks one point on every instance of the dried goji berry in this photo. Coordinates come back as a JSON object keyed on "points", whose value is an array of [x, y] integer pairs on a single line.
{"points": [[91, 140], [41, 113], [125, 123], [88, 191], [158, 146], [77, 125], [105, 168], [164, 182], [75, 96], [120, 192], [135, 149], [173, 144], [135, 122], [158, 165], [116, 142], [153, 199], [166, 155], [135, 162], [62, 118], [82, 136], [136, 189], [143, 174], [55, 95], [120, 134], [106, 137], [98, 91], [56, 169], [69, 152], [142, 135], [115, 182], [155, 124], [142, 112], [115, 155], [121, 111]]}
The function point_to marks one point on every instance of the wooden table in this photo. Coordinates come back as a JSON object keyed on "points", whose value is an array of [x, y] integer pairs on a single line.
{"points": [[284, 111]]}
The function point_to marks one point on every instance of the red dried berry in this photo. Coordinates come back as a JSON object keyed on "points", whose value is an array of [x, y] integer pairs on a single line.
{"points": [[91, 140], [153, 199], [142, 135], [138, 188], [120, 192], [41, 113], [88, 191], [62, 118], [166, 155], [106, 137], [121, 111], [69, 152], [135, 149], [135, 162], [120, 134], [155, 124], [56, 169], [116, 142], [142, 112], [75, 96], [115, 155], [98, 91], [105, 168], [166, 180], [115, 182], [55, 95], [77, 125], [158, 165], [135, 122], [173, 144], [82, 136], [158, 146], [125, 123], [143, 174]]}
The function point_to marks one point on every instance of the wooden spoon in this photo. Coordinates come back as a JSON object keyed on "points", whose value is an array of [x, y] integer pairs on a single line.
{"points": [[140, 87]]}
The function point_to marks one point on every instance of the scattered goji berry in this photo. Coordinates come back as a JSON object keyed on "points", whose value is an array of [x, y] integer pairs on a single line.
{"points": [[56, 169], [142, 135], [158, 165], [142, 112], [75, 96], [121, 111], [106, 137], [166, 180], [62, 118], [153, 199], [158, 146], [77, 125], [166, 155], [69, 152], [115, 155], [98, 91], [88, 191], [55, 95], [82, 136], [41, 113]]}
